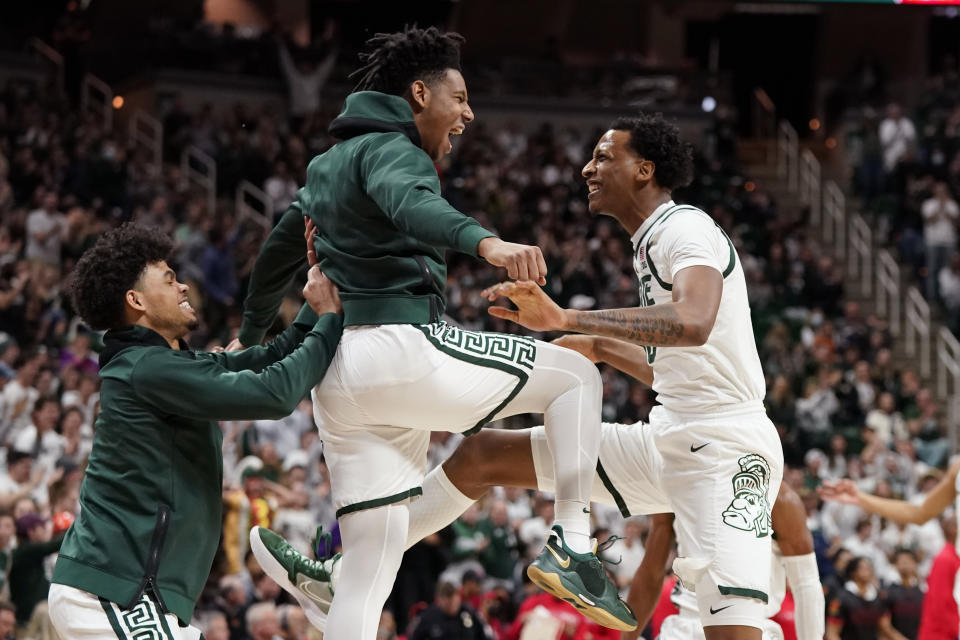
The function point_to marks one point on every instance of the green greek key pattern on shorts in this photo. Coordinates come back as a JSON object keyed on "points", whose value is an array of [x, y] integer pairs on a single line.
{"points": [[512, 351], [142, 622]]}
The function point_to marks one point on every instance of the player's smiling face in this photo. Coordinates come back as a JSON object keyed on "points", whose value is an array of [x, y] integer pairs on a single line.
{"points": [[612, 174], [440, 112], [163, 301]]}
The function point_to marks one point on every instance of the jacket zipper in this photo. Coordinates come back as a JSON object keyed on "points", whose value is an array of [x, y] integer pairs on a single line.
{"points": [[427, 279], [149, 582]]}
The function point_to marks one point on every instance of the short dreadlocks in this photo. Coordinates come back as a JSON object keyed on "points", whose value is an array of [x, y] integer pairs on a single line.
{"points": [[106, 272], [393, 61]]}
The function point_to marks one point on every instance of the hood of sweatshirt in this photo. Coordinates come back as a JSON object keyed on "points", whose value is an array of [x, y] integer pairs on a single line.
{"points": [[374, 112]]}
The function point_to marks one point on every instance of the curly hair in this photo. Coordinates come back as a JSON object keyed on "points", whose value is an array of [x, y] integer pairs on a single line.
{"points": [[656, 140], [393, 61], [109, 269]]}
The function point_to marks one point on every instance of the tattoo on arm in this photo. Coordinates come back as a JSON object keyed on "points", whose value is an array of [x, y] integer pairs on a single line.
{"points": [[649, 326]]}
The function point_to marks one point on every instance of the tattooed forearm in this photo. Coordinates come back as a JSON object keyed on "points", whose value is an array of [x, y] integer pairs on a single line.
{"points": [[658, 326]]}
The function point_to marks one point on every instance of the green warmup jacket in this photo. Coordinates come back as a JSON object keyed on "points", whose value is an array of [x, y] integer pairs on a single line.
{"points": [[151, 499], [383, 225]]}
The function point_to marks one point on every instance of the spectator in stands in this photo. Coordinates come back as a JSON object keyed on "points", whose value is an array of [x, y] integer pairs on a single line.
{"points": [[282, 189], [886, 422], [262, 623], [940, 218], [949, 280], [499, 558], [904, 598], [897, 136], [8, 621], [305, 78], [21, 480], [448, 617], [40, 437], [19, 398], [215, 626], [28, 579], [857, 612], [8, 542], [219, 280], [45, 230]]}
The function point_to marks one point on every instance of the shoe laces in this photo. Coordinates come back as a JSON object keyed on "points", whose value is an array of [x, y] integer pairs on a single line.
{"points": [[300, 561], [609, 542]]}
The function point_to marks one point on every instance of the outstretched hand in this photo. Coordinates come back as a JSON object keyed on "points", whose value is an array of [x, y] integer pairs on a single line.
{"points": [[535, 310], [843, 491]]}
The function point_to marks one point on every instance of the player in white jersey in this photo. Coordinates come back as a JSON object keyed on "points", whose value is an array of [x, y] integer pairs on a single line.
{"points": [[722, 459], [943, 495], [792, 561]]}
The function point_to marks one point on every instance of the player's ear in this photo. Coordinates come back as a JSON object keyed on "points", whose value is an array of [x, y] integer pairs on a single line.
{"points": [[419, 94], [644, 170]]}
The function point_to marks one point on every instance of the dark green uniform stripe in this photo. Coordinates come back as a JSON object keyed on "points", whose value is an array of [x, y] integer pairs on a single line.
{"points": [[731, 264], [163, 620], [112, 617], [522, 375], [379, 502], [617, 498], [747, 593]]}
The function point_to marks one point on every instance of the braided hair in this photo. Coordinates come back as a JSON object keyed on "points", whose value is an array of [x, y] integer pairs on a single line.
{"points": [[393, 61]]}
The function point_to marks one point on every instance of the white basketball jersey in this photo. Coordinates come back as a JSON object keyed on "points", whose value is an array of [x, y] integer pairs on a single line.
{"points": [[725, 371]]}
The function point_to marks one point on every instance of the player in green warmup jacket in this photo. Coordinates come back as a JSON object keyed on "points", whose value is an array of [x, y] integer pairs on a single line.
{"points": [[400, 371], [141, 549]]}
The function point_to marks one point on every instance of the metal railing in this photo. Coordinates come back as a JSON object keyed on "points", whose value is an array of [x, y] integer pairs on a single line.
{"points": [[835, 217], [787, 154], [860, 255], [198, 168], [765, 122], [53, 57], [888, 290], [147, 132], [916, 317], [948, 379], [96, 97], [810, 184], [873, 272], [262, 213]]}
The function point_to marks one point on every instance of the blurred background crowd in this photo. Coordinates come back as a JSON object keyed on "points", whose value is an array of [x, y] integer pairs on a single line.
{"points": [[845, 404]]}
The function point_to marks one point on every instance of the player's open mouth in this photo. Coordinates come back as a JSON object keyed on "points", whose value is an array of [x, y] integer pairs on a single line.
{"points": [[592, 188], [456, 131], [186, 305]]}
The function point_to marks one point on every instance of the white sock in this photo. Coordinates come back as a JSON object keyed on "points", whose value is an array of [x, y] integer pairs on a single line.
{"points": [[569, 515], [804, 581], [440, 504]]}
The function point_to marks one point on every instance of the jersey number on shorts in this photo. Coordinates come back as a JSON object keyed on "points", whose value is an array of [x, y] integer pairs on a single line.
{"points": [[647, 301]]}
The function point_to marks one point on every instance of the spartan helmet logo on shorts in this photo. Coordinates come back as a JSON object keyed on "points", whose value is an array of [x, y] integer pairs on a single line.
{"points": [[750, 509]]}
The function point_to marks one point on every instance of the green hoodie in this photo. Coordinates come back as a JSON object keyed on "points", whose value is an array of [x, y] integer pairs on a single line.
{"points": [[383, 225], [151, 498]]}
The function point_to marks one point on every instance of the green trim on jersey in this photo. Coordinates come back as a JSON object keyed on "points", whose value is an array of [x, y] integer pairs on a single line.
{"points": [[746, 593], [509, 353], [378, 502], [112, 617], [608, 485], [668, 286]]}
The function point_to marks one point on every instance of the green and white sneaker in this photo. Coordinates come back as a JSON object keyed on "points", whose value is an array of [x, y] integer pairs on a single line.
{"points": [[311, 582], [579, 578]]}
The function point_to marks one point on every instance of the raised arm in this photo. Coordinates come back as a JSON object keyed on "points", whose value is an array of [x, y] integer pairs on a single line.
{"points": [[935, 502], [280, 258]]}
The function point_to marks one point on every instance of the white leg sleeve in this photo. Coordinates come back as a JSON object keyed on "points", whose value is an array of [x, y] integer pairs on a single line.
{"points": [[804, 581], [567, 389], [440, 504], [372, 551]]}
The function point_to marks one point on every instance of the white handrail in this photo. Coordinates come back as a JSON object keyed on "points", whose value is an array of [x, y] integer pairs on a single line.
{"points": [[787, 153], [147, 131], [248, 191], [916, 314], [96, 97], [948, 380], [888, 290], [53, 56], [860, 257], [205, 179], [810, 185], [835, 217]]}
